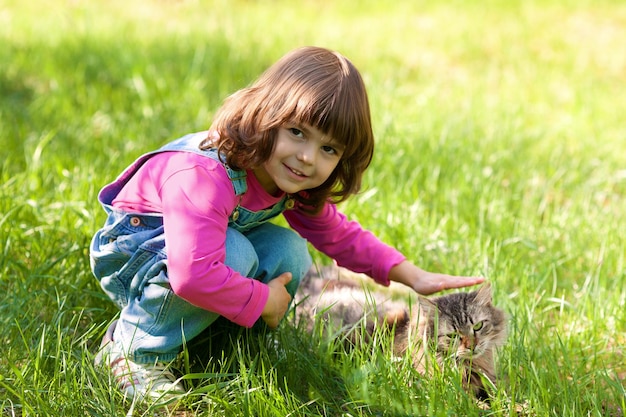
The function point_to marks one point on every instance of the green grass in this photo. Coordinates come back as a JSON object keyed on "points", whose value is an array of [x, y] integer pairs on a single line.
{"points": [[501, 146]]}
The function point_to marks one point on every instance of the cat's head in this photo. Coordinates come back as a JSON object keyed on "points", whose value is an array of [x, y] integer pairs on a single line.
{"points": [[464, 325]]}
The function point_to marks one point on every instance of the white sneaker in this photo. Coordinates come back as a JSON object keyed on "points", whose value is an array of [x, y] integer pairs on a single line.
{"points": [[143, 381]]}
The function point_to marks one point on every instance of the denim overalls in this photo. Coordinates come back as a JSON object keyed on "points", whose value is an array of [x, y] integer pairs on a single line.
{"points": [[129, 258]]}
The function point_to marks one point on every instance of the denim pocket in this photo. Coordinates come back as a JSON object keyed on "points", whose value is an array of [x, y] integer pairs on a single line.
{"points": [[121, 249]]}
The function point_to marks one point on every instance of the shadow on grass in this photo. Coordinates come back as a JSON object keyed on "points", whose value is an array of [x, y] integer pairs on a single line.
{"points": [[300, 370]]}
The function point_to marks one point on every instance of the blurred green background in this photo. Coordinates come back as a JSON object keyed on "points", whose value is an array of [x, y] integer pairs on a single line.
{"points": [[501, 148]]}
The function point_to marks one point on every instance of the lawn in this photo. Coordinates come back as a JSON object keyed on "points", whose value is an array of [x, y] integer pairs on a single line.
{"points": [[501, 151]]}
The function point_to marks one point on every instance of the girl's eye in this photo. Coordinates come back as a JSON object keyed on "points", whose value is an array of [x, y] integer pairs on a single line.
{"points": [[478, 326], [329, 150], [296, 132]]}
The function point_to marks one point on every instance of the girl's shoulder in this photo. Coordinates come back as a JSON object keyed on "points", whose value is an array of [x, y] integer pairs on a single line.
{"points": [[173, 161], [189, 168]]}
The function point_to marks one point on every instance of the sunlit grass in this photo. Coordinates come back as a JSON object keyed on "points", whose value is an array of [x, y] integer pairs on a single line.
{"points": [[500, 152]]}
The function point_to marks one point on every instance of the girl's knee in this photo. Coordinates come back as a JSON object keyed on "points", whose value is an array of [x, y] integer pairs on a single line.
{"points": [[294, 241], [299, 262], [280, 250], [299, 259], [241, 255]]}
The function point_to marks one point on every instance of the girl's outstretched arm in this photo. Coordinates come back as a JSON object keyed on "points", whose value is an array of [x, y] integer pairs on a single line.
{"points": [[425, 283]]}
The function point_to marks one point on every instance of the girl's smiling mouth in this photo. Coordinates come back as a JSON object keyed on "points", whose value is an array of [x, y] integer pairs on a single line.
{"points": [[295, 172]]}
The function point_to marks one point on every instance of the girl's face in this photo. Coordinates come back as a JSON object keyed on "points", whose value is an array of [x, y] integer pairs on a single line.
{"points": [[303, 158]]}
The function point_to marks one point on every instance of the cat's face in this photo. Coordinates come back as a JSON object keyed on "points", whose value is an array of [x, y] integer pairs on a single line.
{"points": [[465, 325]]}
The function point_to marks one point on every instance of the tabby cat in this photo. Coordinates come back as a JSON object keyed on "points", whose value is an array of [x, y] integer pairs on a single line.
{"points": [[462, 328]]}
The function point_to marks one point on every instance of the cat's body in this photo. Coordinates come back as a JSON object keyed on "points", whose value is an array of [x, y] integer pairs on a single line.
{"points": [[462, 328]]}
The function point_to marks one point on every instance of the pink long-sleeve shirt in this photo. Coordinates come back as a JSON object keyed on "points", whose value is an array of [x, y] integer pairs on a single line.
{"points": [[195, 197]]}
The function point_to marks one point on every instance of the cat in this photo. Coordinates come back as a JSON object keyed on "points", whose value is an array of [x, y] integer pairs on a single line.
{"points": [[462, 328]]}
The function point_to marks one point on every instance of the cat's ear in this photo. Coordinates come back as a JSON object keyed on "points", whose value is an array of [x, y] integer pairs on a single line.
{"points": [[483, 295], [427, 306]]}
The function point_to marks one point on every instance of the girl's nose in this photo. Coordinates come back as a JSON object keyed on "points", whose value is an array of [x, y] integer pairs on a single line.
{"points": [[306, 155]]}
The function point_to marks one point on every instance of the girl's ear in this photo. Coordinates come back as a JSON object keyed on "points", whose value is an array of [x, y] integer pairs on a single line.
{"points": [[483, 295]]}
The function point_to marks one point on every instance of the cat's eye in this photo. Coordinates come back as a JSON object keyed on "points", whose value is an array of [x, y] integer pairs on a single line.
{"points": [[478, 326], [453, 335]]}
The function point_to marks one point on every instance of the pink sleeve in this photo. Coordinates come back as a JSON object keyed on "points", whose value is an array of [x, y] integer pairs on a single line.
{"points": [[196, 203], [346, 242]]}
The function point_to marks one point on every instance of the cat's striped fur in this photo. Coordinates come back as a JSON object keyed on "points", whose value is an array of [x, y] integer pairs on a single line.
{"points": [[461, 329]]}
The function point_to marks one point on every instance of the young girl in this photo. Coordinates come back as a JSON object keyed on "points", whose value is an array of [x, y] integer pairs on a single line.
{"points": [[188, 236]]}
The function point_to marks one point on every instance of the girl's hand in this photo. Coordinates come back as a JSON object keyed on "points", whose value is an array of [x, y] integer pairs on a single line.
{"points": [[278, 300], [425, 283]]}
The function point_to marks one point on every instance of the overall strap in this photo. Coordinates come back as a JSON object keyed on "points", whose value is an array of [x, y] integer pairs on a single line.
{"points": [[188, 143]]}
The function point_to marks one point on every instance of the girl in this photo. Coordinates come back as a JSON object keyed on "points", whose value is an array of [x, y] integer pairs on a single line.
{"points": [[188, 237]]}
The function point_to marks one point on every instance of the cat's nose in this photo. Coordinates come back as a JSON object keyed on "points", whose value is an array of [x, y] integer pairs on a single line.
{"points": [[468, 342]]}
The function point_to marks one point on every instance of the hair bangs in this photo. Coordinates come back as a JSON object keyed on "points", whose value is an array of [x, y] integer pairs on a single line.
{"points": [[332, 101]]}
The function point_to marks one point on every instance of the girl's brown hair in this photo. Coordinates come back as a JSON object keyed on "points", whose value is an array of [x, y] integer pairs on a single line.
{"points": [[309, 85]]}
